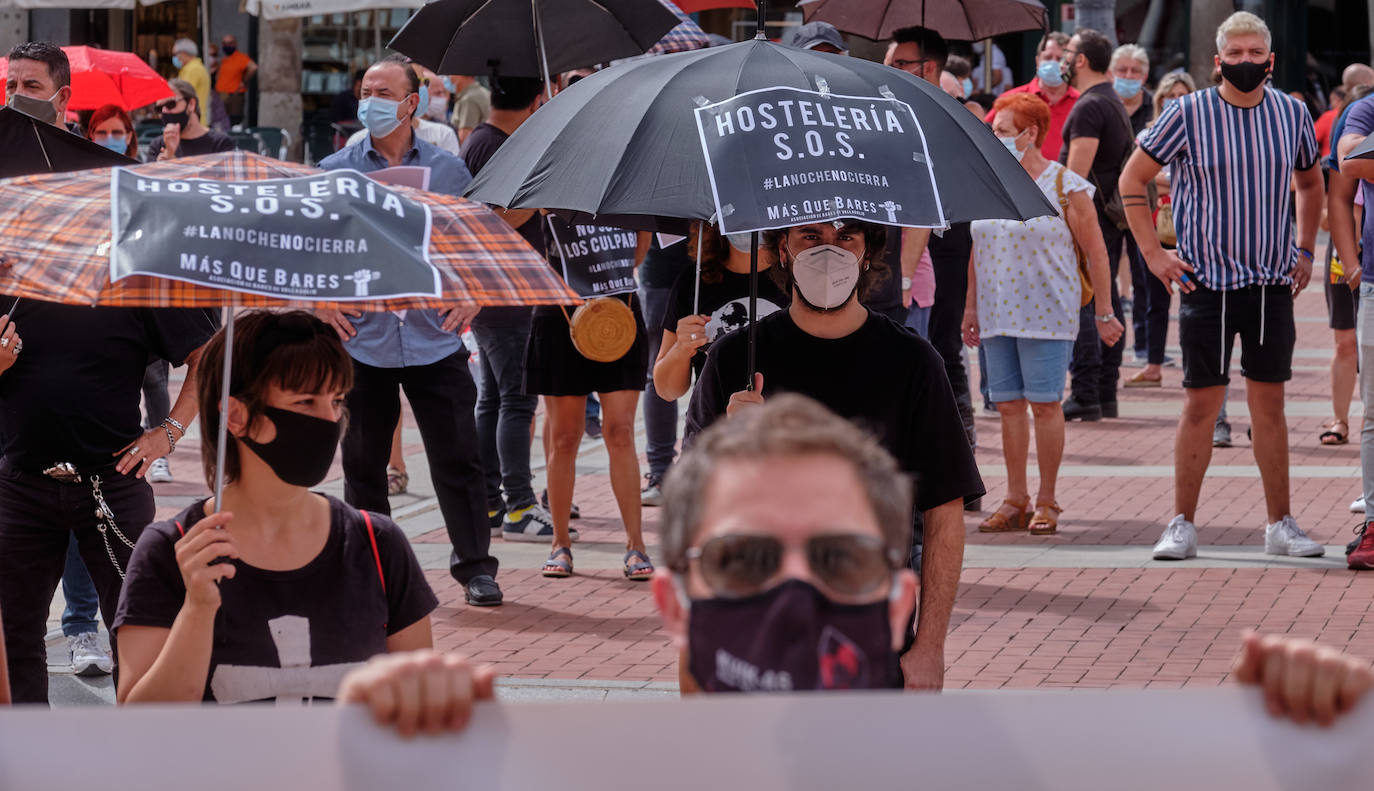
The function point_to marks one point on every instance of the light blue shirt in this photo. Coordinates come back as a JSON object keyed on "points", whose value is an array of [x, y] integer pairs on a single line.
{"points": [[384, 339]]}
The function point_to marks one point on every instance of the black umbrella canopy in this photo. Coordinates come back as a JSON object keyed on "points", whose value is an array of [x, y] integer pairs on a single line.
{"points": [[32, 146], [621, 147], [480, 37], [961, 20]]}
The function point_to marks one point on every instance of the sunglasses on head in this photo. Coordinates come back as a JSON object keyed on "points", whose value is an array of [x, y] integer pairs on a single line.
{"points": [[849, 564]]}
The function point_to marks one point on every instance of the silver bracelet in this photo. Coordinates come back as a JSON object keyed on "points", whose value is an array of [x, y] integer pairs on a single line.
{"points": [[171, 441], [176, 424]]}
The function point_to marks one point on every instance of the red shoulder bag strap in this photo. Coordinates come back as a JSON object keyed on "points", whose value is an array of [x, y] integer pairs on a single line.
{"points": [[180, 529], [376, 556]]}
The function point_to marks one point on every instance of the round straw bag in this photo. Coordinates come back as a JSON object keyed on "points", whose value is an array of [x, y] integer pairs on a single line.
{"points": [[602, 329]]}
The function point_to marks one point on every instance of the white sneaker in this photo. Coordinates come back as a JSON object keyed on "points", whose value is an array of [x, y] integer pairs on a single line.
{"points": [[532, 524], [1357, 507], [159, 471], [1179, 541], [88, 658], [1284, 537]]}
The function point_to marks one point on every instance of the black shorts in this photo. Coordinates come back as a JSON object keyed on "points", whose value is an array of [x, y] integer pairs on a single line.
{"points": [[1263, 318], [553, 366], [1342, 304]]}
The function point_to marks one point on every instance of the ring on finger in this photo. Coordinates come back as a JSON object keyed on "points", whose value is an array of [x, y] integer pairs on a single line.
{"points": [[133, 451]]}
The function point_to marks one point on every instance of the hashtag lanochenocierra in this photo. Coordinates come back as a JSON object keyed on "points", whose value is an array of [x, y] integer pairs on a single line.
{"points": [[277, 241]]}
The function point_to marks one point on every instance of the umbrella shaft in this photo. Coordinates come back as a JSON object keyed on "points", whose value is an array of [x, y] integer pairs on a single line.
{"points": [[222, 433], [753, 304]]}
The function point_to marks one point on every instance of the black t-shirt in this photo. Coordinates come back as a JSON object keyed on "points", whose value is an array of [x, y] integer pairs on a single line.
{"points": [[318, 621], [883, 376], [73, 395], [211, 142], [477, 150], [662, 265], [726, 302], [885, 295], [1099, 113], [1143, 114]]}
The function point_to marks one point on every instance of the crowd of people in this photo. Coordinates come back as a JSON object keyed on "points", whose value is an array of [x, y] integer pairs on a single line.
{"points": [[809, 513]]}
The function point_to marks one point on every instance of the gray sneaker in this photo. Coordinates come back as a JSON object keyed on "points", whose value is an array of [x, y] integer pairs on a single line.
{"points": [[1221, 435], [88, 658], [653, 491], [532, 524], [1179, 541]]}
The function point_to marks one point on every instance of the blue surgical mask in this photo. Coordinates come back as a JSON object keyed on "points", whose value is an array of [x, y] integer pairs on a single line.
{"points": [[448, 86], [176, 61], [967, 85], [1127, 89], [1050, 74], [379, 115], [118, 145], [423, 106], [1170, 100], [1010, 143]]}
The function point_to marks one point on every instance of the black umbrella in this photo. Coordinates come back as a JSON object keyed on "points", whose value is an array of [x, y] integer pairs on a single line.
{"points": [[620, 147], [32, 146], [512, 37], [961, 20]]}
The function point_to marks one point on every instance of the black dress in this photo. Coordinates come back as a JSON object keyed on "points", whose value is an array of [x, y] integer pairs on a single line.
{"points": [[553, 366]]}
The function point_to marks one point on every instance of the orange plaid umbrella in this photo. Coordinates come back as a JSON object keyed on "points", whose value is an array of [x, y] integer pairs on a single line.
{"points": [[55, 232]]}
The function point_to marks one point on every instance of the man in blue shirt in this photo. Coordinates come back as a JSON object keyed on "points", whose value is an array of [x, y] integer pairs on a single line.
{"points": [[418, 350]]}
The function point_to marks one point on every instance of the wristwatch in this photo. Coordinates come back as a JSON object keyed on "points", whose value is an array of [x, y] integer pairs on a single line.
{"points": [[906, 284], [1103, 319]]}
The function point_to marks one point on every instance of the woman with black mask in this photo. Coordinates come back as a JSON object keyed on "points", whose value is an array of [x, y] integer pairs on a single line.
{"points": [[278, 591], [183, 135]]}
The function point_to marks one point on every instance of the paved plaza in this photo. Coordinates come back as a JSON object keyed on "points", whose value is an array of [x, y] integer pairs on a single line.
{"points": [[1086, 608]]}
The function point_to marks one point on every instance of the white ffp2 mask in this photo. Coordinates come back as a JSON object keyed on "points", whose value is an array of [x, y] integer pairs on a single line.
{"points": [[826, 275]]}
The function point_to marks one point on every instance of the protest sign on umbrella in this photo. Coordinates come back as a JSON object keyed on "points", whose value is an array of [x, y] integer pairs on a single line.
{"points": [[237, 229], [623, 146]]}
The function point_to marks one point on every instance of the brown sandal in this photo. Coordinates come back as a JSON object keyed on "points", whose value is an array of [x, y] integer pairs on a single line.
{"points": [[1044, 523], [999, 522]]}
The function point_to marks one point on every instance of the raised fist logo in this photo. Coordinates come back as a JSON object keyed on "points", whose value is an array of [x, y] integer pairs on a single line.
{"points": [[361, 279]]}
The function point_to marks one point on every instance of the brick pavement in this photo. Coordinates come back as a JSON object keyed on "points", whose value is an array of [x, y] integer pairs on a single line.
{"points": [[1164, 625]]}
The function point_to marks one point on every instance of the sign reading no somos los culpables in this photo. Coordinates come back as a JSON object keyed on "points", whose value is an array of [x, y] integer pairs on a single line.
{"points": [[334, 236], [779, 157]]}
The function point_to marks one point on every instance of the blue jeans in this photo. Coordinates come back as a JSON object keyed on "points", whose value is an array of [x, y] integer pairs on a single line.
{"points": [[504, 415], [918, 318], [1029, 368], [83, 605], [660, 416]]}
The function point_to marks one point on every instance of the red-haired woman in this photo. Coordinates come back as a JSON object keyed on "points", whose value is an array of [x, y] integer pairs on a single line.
{"points": [[1023, 307], [111, 126]]}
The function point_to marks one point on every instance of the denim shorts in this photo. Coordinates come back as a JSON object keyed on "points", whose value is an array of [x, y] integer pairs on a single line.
{"points": [[1029, 368]]}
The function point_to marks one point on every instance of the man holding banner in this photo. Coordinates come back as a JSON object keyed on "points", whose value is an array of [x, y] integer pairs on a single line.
{"points": [[418, 350]]}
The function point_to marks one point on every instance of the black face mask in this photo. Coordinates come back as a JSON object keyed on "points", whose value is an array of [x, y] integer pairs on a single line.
{"points": [[180, 119], [303, 449], [1069, 72], [790, 637], [228, 49], [1246, 76]]}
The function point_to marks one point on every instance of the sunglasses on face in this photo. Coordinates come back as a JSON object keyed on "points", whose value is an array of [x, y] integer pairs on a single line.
{"points": [[849, 564], [166, 107]]}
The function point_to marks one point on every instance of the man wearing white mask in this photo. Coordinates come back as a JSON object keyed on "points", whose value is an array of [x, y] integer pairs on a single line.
{"points": [[418, 350], [866, 368], [1049, 84]]}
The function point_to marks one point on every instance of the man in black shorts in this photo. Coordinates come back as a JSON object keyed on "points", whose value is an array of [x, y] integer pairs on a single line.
{"points": [[1236, 264], [869, 369]]}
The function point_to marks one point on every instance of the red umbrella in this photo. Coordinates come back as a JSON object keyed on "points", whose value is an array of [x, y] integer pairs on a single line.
{"points": [[102, 76], [693, 6]]}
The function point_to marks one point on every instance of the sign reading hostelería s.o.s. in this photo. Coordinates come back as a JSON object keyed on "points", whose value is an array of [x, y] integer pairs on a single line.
{"points": [[335, 236], [779, 157]]}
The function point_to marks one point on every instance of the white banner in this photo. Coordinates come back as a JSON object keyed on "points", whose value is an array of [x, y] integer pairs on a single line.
{"points": [[286, 9], [1177, 739]]}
